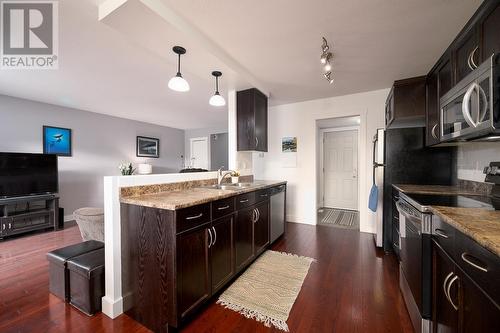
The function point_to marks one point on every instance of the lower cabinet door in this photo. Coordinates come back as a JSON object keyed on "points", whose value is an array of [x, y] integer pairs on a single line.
{"points": [[243, 237], [479, 313], [193, 269], [222, 252], [444, 315], [261, 227]]}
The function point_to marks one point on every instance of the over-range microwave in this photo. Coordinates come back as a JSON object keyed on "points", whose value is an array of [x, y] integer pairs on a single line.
{"points": [[470, 111]]}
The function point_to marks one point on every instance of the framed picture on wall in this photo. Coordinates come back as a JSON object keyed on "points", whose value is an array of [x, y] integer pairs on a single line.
{"points": [[148, 147], [57, 140]]}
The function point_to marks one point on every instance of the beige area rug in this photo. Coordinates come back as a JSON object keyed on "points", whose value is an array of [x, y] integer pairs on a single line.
{"points": [[267, 290]]}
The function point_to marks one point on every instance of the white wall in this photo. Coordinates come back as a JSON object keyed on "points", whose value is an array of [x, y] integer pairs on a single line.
{"points": [[473, 157], [299, 119], [100, 144]]}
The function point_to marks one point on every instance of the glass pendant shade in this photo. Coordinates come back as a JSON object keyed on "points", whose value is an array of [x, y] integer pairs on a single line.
{"points": [[217, 100], [178, 83]]}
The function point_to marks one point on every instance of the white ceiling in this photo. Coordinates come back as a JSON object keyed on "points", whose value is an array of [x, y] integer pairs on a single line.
{"points": [[120, 66]]}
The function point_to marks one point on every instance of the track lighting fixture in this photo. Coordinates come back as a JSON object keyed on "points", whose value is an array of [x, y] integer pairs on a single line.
{"points": [[326, 60], [328, 77], [178, 83], [217, 99]]}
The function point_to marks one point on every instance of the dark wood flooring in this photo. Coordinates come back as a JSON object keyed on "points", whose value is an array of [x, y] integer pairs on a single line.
{"points": [[351, 288]]}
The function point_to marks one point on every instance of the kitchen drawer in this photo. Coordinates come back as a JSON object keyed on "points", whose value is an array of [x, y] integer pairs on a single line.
{"points": [[479, 263], [262, 195], [222, 207], [444, 234], [245, 200], [192, 217]]}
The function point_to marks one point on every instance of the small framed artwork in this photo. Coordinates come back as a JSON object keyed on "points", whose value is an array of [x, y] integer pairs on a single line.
{"points": [[57, 140], [148, 147], [289, 144]]}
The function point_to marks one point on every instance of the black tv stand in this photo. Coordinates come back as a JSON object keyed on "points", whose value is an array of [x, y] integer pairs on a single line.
{"points": [[24, 214]]}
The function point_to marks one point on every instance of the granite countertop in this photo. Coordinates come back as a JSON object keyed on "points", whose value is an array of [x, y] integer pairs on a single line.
{"points": [[173, 200], [480, 224], [434, 189]]}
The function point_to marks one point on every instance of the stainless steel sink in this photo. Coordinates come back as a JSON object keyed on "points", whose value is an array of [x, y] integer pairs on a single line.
{"points": [[241, 185], [220, 187], [228, 186]]}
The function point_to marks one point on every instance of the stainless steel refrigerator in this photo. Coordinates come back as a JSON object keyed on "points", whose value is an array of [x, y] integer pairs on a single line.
{"points": [[400, 157]]}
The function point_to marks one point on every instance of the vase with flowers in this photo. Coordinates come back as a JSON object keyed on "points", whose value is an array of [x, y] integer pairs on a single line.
{"points": [[126, 169]]}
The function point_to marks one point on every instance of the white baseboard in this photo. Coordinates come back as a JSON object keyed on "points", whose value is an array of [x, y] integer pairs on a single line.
{"points": [[111, 308]]}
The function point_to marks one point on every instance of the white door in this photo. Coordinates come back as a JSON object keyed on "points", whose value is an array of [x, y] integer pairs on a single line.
{"points": [[199, 153], [340, 165]]}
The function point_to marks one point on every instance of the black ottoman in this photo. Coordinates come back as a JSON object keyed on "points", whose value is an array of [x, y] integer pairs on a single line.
{"points": [[58, 273], [86, 281]]}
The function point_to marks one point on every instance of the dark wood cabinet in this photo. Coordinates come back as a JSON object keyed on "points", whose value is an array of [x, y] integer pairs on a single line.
{"points": [[251, 115], [243, 237], [439, 82], [489, 31], [405, 104], [444, 315], [222, 263], [193, 271], [474, 44], [466, 54], [465, 291], [175, 260], [261, 227], [478, 312]]}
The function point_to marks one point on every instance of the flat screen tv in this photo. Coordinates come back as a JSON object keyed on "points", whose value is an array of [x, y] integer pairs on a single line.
{"points": [[27, 174]]}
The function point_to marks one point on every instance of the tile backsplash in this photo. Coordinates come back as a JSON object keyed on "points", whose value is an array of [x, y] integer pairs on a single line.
{"points": [[473, 157]]}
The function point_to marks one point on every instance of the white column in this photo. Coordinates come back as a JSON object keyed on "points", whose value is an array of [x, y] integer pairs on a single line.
{"points": [[232, 130], [112, 302]]}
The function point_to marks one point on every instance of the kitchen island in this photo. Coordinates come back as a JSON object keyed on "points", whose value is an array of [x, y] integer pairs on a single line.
{"points": [[180, 247]]}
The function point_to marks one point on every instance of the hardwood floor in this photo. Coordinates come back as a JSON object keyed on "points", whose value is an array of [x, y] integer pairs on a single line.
{"points": [[351, 288]]}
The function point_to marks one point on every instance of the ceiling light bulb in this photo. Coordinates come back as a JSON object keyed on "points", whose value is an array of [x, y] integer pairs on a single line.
{"points": [[217, 100], [178, 83], [328, 77], [323, 58], [328, 67]]}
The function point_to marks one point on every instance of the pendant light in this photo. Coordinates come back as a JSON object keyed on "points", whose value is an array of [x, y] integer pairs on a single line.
{"points": [[217, 99], [178, 83]]}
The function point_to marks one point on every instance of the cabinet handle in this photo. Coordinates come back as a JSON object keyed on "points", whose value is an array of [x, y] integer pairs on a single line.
{"points": [[10, 225], [472, 62], [256, 142], [258, 214], [194, 217], [445, 283], [464, 258], [433, 132], [210, 243], [455, 278], [440, 233], [215, 236], [254, 215], [222, 208], [263, 195], [3, 226], [243, 201]]}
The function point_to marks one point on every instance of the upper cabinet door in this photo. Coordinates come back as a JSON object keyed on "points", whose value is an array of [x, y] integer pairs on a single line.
{"points": [[490, 34], [432, 110], [466, 54], [260, 122], [251, 120], [445, 76]]}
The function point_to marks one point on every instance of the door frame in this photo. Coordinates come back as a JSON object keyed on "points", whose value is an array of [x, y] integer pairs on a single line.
{"points": [[322, 132], [207, 142]]}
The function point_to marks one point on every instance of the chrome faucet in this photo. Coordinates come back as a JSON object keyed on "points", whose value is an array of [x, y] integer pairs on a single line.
{"points": [[221, 175]]}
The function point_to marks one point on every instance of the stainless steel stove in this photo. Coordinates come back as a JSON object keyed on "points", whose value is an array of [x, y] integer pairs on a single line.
{"points": [[415, 225]]}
